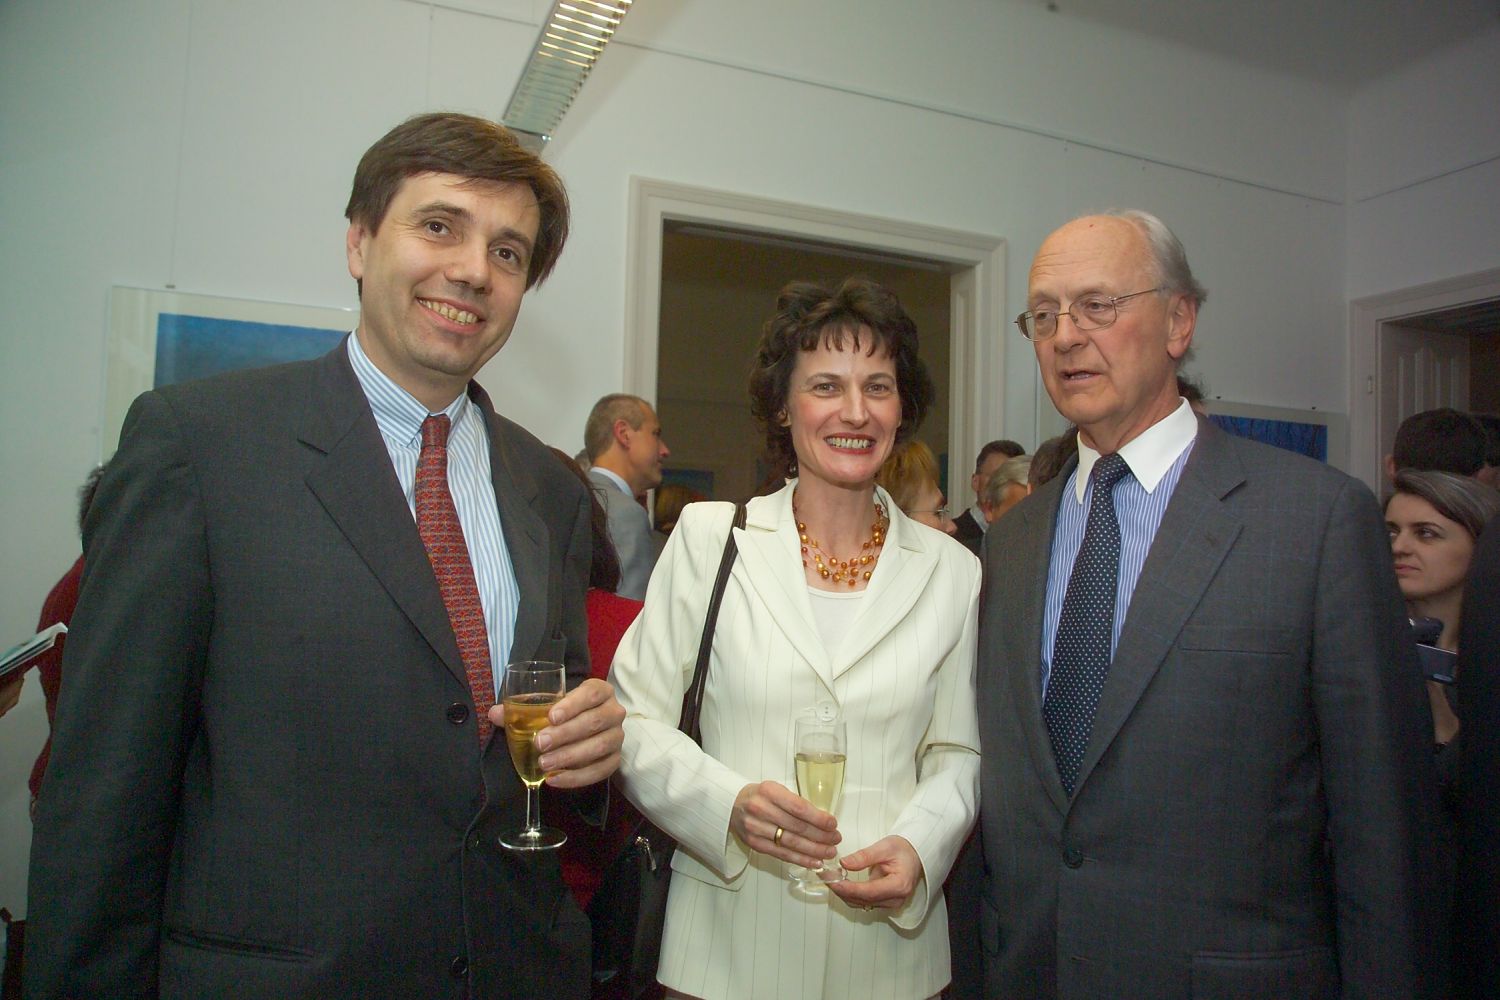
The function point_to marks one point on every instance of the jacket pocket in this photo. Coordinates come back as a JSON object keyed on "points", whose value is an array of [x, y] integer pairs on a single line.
{"points": [[1303, 974], [1237, 639], [235, 946]]}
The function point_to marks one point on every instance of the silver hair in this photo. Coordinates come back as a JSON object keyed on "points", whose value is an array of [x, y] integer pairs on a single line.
{"points": [[1013, 471], [599, 430], [1168, 256]]}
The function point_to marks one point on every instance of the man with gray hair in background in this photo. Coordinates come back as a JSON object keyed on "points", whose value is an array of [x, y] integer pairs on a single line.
{"points": [[1207, 764], [625, 449]]}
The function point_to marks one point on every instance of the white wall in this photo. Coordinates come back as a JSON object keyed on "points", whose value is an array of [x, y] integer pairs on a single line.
{"points": [[209, 144], [1424, 171]]}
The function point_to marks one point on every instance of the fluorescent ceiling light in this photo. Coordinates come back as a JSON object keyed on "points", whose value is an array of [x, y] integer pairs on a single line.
{"points": [[573, 36]]}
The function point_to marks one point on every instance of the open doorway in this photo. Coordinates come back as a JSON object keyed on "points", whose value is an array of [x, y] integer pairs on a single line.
{"points": [[1433, 346], [718, 286], [968, 267]]}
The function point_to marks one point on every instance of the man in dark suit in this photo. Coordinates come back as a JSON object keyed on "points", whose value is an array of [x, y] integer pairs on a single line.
{"points": [[1476, 924], [625, 448], [1207, 756], [971, 524], [275, 772]]}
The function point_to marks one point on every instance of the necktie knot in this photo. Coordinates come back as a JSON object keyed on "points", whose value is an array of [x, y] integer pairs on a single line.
{"points": [[1108, 471], [435, 431]]}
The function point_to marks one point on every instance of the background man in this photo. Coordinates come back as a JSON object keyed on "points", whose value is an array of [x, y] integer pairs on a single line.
{"points": [[1444, 440], [971, 523], [274, 773], [623, 439], [1207, 755]]}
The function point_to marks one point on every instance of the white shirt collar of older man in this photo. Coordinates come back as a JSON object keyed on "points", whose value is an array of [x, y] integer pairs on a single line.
{"points": [[1150, 454], [616, 479]]}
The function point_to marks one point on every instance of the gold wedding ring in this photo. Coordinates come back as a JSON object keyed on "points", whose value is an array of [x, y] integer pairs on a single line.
{"points": [[777, 839]]}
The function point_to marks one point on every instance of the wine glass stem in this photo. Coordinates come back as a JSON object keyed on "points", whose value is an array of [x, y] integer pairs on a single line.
{"points": [[533, 810]]}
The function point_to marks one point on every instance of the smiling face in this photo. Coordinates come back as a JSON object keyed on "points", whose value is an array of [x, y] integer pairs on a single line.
{"points": [[1116, 382], [1431, 552], [442, 280], [843, 411]]}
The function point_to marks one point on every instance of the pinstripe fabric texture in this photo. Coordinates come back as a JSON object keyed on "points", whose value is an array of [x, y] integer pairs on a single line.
{"points": [[399, 417], [902, 676]]}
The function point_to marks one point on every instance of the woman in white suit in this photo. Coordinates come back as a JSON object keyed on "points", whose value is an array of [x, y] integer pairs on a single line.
{"points": [[808, 621]]}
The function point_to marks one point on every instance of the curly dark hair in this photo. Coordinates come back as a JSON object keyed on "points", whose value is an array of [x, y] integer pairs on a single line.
{"points": [[810, 315]]}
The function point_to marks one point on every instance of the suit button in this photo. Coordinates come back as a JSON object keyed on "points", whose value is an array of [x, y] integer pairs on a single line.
{"points": [[458, 713], [459, 967], [1072, 857]]}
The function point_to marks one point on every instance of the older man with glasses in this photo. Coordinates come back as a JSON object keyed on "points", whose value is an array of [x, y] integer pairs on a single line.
{"points": [[1207, 762]]}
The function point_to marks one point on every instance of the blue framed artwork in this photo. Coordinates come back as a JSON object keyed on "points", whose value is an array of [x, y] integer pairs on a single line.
{"points": [[1314, 433], [157, 338]]}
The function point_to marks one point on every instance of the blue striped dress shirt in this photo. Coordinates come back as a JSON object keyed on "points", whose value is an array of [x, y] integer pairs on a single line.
{"points": [[1156, 459], [399, 417]]}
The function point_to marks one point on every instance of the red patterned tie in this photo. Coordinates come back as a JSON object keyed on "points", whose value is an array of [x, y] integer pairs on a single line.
{"points": [[437, 523]]}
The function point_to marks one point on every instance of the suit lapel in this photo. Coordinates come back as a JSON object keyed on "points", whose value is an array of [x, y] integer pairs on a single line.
{"points": [[768, 548], [526, 535], [1031, 548], [905, 566], [1196, 534], [358, 488]]}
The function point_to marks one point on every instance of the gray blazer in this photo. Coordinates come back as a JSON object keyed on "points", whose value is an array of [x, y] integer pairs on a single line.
{"points": [[265, 781], [1252, 816], [630, 531]]}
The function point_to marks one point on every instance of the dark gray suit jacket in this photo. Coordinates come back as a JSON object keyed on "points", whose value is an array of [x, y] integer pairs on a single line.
{"points": [[1252, 812], [266, 781], [1476, 925]]}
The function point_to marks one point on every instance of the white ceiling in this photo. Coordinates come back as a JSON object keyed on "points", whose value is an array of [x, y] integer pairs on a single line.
{"points": [[1342, 43]]}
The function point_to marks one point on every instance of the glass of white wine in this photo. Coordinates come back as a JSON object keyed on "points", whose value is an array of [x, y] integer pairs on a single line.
{"points": [[530, 688], [820, 750]]}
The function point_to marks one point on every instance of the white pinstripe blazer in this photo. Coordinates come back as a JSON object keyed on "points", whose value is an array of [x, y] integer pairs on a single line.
{"points": [[904, 682]]}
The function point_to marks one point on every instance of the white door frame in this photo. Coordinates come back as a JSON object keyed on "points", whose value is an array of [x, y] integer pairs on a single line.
{"points": [[977, 291], [1365, 318]]}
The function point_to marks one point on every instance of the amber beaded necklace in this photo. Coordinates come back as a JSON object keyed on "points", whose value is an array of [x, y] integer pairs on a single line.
{"points": [[855, 568]]}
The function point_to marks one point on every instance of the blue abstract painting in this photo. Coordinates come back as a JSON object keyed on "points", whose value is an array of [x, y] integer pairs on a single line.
{"points": [[191, 347], [1293, 435]]}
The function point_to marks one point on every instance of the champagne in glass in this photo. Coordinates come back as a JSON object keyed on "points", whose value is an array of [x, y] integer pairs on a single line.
{"points": [[529, 691], [819, 752]]}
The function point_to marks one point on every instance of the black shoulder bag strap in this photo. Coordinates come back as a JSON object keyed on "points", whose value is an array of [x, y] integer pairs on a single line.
{"points": [[692, 700]]}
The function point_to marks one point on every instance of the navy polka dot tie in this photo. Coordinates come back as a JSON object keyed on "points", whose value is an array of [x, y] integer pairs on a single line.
{"points": [[1085, 630]]}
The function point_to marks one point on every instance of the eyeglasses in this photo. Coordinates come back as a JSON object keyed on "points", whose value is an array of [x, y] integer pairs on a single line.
{"points": [[1092, 312], [936, 512]]}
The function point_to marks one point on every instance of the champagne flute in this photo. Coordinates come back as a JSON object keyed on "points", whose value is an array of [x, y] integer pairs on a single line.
{"points": [[820, 750], [530, 689]]}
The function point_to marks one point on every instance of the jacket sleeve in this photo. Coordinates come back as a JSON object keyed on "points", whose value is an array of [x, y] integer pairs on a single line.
{"points": [[126, 717], [937, 819], [665, 774], [1375, 735]]}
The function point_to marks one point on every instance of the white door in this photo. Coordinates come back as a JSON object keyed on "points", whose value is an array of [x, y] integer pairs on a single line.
{"points": [[1419, 370]]}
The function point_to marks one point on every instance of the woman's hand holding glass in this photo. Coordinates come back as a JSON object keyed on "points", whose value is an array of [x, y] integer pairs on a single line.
{"points": [[895, 870], [770, 818]]}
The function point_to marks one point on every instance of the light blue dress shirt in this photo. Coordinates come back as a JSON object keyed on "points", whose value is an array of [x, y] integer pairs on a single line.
{"points": [[1156, 459], [399, 416]]}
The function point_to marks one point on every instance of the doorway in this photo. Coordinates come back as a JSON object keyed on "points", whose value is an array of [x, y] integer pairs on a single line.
{"points": [[1427, 347], [970, 268]]}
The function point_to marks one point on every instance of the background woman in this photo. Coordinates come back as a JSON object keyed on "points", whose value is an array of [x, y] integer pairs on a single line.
{"points": [[836, 598], [1434, 519], [910, 476]]}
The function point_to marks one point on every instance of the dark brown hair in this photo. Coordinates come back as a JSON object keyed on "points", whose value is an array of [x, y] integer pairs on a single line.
{"points": [[450, 143], [810, 315]]}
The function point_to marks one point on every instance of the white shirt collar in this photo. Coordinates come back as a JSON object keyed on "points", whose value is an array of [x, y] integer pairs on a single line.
{"points": [[1149, 455], [614, 478]]}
